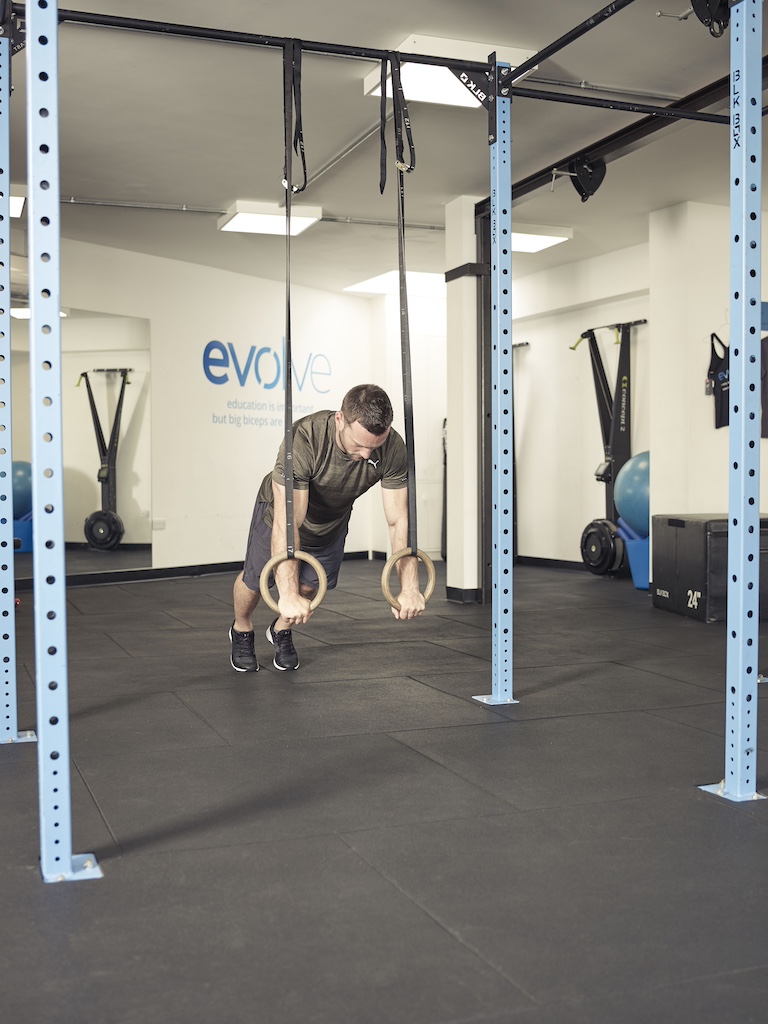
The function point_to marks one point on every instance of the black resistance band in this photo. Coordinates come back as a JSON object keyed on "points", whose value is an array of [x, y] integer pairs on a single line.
{"points": [[402, 124], [107, 452], [294, 141]]}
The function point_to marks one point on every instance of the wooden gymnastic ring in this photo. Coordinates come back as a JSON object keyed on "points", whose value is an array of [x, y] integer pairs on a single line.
{"points": [[322, 579], [387, 571]]}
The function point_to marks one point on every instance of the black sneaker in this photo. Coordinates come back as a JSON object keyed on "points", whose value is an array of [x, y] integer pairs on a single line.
{"points": [[285, 654], [243, 657]]}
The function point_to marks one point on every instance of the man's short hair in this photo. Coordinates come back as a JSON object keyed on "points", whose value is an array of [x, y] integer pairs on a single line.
{"points": [[369, 405]]}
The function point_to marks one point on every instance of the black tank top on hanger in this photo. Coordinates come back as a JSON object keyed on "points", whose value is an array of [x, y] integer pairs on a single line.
{"points": [[718, 378]]}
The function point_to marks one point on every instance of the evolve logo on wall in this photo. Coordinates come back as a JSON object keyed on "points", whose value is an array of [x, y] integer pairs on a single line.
{"points": [[224, 363]]}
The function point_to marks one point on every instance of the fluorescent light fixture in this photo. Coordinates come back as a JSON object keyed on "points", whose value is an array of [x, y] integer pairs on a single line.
{"points": [[267, 218], [535, 237], [432, 83], [522, 242], [425, 83], [17, 205], [24, 312], [424, 285]]}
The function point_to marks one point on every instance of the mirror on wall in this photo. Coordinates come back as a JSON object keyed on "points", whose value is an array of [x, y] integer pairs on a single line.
{"points": [[107, 349]]}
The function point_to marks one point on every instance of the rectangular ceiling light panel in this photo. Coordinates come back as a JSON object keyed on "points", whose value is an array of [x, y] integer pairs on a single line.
{"points": [[267, 218], [433, 83]]}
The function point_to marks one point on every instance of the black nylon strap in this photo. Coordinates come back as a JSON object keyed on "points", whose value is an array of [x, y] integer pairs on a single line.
{"points": [[107, 451], [294, 45], [101, 443], [402, 124], [602, 389], [294, 142], [383, 128], [402, 121], [405, 350]]}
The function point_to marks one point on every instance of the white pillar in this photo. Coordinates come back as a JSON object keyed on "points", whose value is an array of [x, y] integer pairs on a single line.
{"points": [[463, 521], [688, 273]]}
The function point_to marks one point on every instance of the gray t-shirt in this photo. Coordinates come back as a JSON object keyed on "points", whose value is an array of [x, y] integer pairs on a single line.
{"points": [[333, 479]]}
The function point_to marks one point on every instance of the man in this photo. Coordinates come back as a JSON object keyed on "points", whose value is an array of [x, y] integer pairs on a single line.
{"points": [[336, 458]]}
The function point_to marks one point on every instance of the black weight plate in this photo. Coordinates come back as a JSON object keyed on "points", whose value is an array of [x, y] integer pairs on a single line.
{"points": [[104, 530], [602, 551]]}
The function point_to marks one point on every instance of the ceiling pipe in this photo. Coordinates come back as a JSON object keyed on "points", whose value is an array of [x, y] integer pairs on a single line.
{"points": [[117, 204], [585, 87]]}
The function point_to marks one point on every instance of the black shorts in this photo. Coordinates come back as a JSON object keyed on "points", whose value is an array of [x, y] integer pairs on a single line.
{"points": [[259, 552]]}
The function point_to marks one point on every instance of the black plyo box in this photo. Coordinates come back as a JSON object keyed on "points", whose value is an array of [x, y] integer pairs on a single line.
{"points": [[690, 565]]}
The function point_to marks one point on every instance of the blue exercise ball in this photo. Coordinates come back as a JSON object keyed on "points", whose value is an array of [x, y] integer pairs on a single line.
{"points": [[21, 479], [631, 493]]}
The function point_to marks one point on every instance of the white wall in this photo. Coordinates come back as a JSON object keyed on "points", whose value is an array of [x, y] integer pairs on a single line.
{"points": [[558, 441], [427, 326], [679, 281], [213, 439], [463, 401], [215, 435], [690, 300]]}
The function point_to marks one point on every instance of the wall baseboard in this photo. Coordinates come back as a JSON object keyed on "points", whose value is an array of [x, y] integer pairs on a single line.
{"points": [[550, 563], [91, 579], [79, 545], [459, 596]]}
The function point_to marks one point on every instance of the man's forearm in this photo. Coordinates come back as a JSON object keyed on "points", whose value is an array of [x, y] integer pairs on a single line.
{"points": [[407, 567], [287, 572]]}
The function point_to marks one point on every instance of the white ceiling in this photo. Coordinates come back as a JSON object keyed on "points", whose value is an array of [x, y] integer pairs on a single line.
{"points": [[156, 120]]}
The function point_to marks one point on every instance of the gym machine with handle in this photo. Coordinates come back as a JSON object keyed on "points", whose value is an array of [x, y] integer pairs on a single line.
{"points": [[104, 528], [602, 550]]}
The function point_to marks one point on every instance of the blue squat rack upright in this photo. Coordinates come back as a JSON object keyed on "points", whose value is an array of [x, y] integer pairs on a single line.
{"points": [[10, 729], [740, 771], [57, 862]]}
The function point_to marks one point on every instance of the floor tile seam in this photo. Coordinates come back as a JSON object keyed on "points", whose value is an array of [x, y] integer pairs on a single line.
{"points": [[466, 654], [140, 848], [454, 772], [735, 971], [259, 740], [452, 933], [685, 682], [456, 819], [97, 805], [653, 713], [348, 619], [665, 649], [742, 807], [446, 693], [175, 618], [118, 644], [200, 718], [591, 713], [639, 990], [668, 634], [542, 659], [315, 640], [688, 682], [391, 641], [545, 629]]}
